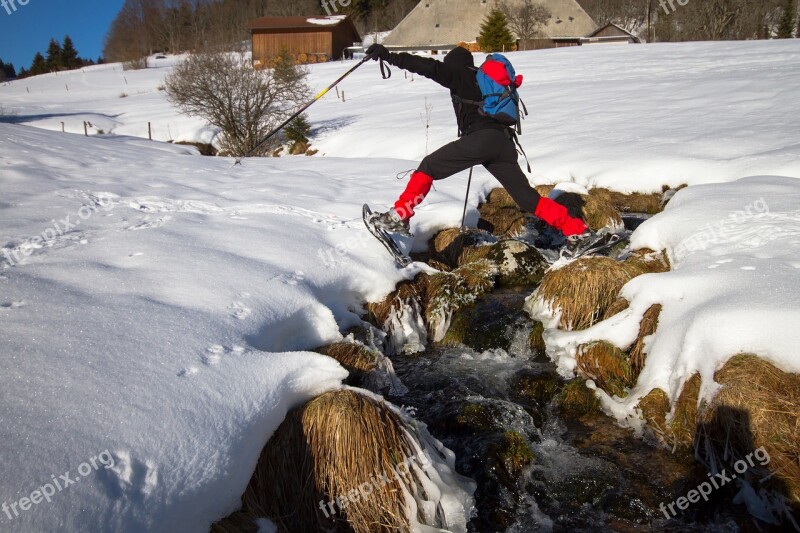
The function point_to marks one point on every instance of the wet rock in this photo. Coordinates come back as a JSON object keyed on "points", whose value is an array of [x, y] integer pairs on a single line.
{"points": [[513, 454], [519, 264], [538, 387]]}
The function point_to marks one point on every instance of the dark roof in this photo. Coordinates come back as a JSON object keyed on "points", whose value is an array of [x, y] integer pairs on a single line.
{"points": [[611, 24], [291, 23]]}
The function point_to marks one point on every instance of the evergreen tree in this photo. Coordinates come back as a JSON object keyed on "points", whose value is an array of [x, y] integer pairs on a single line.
{"points": [[786, 27], [10, 71], [23, 73], [39, 65], [298, 130], [54, 59], [495, 35], [69, 55]]}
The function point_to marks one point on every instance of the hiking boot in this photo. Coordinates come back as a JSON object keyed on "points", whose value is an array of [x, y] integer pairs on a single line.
{"points": [[578, 243], [391, 222]]}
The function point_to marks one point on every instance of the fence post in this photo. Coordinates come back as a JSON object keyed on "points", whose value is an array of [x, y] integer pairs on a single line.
{"points": [[62, 128], [149, 131], [343, 100], [85, 128]]}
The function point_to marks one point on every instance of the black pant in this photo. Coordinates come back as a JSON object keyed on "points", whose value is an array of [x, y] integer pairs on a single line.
{"points": [[495, 150]]}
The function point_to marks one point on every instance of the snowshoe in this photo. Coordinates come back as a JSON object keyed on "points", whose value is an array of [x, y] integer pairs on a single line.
{"points": [[393, 234]]}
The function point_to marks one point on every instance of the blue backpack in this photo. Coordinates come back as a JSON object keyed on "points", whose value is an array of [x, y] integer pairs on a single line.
{"points": [[498, 83]]}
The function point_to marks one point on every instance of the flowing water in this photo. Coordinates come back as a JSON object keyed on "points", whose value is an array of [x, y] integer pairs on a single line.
{"points": [[584, 474]]}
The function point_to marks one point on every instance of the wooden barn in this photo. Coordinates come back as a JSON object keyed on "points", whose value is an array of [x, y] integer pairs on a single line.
{"points": [[308, 39]]}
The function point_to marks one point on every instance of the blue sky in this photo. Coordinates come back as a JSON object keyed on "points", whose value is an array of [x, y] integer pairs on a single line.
{"points": [[29, 28]]}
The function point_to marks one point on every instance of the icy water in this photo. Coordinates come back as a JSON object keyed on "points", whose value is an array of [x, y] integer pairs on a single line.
{"points": [[585, 473]]}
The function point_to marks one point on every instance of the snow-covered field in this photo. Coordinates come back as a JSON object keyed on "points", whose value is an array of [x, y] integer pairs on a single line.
{"points": [[154, 304]]}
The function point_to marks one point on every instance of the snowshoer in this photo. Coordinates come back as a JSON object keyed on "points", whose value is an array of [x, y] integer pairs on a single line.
{"points": [[482, 141]]}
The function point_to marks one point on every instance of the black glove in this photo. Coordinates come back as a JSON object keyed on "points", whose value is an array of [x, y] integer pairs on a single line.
{"points": [[377, 51]]}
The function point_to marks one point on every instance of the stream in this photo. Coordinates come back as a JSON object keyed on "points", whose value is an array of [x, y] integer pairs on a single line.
{"points": [[493, 401]]}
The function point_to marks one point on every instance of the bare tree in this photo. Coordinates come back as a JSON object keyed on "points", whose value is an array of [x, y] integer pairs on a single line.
{"points": [[525, 19], [242, 102]]}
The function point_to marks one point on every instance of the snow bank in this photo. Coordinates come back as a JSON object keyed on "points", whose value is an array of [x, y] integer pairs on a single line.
{"points": [[734, 288], [145, 295]]}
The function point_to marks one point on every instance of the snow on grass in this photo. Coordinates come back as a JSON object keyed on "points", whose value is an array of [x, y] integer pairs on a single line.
{"points": [[734, 288]]}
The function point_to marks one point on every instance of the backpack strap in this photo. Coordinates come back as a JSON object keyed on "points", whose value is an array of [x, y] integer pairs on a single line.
{"points": [[514, 138]]}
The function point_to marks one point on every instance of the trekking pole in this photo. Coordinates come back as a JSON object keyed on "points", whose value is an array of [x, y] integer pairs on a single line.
{"points": [[300, 112], [466, 198]]}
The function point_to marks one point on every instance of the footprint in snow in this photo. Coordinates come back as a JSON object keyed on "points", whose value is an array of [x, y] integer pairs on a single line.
{"points": [[146, 223], [214, 353], [240, 311], [295, 278], [186, 372], [129, 477], [13, 305]]}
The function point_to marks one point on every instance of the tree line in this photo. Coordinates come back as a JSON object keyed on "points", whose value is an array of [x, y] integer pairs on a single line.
{"points": [[698, 20], [144, 27], [60, 56]]}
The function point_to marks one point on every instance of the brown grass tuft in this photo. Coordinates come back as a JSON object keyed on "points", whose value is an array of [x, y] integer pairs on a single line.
{"points": [[630, 203], [607, 365], [577, 400], [406, 291], [647, 327], [324, 450], [649, 261], [351, 356], [655, 407], [500, 198], [619, 305], [585, 289], [758, 405], [682, 427], [450, 246], [599, 214], [500, 220], [478, 275]]}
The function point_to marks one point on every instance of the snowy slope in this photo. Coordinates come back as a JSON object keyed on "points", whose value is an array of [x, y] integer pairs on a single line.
{"points": [[629, 117], [145, 293], [167, 327]]}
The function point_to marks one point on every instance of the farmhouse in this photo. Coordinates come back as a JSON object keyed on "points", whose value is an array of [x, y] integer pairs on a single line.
{"points": [[308, 39], [441, 24]]}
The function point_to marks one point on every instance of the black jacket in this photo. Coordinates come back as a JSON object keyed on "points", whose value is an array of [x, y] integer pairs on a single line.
{"points": [[457, 72]]}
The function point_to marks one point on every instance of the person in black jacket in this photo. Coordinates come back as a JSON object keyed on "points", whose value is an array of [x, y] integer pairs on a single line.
{"points": [[482, 141]]}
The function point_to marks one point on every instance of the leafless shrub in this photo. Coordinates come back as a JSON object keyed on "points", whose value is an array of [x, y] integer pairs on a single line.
{"points": [[526, 18], [244, 103]]}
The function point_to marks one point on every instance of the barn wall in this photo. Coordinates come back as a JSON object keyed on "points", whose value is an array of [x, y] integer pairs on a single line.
{"points": [[267, 44]]}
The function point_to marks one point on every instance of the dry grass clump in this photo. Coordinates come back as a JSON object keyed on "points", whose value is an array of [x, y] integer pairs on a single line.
{"points": [[472, 254], [351, 356], [585, 289], [649, 204], [647, 327], [478, 275], [450, 246], [326, 450], [501, 220], [655, 407], [683, 424], [500, 198], [607, 365], [758, 405], [599, 214], [619, 305], [406, 292], [649, 261]]}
